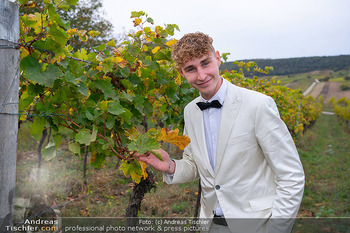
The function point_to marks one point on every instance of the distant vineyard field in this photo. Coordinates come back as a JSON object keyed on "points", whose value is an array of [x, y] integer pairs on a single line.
{"points": [[328, 83]]}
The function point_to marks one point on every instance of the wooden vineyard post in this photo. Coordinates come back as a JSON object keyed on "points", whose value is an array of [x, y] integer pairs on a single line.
{"points": [[9, 86]]}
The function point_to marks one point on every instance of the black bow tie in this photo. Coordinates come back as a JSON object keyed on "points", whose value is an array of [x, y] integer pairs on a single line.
{"points": [[213, 104]]}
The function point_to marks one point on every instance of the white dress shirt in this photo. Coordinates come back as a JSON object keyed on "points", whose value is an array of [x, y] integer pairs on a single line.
{"points": [[211, 120]]}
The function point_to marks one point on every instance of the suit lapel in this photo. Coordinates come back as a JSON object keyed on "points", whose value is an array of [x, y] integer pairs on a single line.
{"points": [[228, 116], [200, 136]]}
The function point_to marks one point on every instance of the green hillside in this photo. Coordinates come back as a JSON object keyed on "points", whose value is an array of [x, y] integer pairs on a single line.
{"points": [[287, 66]]}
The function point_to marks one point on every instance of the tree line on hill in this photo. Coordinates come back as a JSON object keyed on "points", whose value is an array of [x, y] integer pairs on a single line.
{"points": [[288, 66]]}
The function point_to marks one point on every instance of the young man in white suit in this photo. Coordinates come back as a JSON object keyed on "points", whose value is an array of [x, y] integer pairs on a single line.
{"points": [[240, 149]]}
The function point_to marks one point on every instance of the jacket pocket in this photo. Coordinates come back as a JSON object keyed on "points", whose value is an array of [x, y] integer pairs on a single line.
{"points": [[262, 203]]}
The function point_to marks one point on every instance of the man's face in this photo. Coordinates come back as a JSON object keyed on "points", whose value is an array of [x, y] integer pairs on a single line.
{"points": [[203, 74]]}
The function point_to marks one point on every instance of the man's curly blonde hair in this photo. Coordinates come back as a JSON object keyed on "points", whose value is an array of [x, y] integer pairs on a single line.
{"points": [[192, 45]]}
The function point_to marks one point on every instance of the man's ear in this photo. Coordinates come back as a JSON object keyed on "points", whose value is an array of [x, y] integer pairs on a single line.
{"points": [[218, 58]]}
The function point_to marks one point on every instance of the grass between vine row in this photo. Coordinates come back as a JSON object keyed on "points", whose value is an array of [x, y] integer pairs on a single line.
{"points": [[324, 150]]}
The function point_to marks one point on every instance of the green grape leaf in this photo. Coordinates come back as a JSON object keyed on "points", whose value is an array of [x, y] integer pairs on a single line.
{"points": [[23, 1], [49, 152], [72, 2], [37, 127], [70, 78], [112, 43], [106, 87], [83, 89], [74, 148], [97, 159], [57, 138], [58, 34], [115, 107], [32, 69], [110, 121], [143, 143], [86, 137], [137, 14]]}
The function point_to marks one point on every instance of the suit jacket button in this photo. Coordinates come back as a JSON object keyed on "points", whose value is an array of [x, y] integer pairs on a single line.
{"points": [[217, 187]]}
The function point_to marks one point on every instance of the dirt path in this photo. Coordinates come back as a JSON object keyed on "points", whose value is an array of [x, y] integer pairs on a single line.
{"points": [[317, 90]]}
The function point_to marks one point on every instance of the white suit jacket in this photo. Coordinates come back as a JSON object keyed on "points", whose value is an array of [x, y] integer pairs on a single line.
{"points": [[258, 173]]}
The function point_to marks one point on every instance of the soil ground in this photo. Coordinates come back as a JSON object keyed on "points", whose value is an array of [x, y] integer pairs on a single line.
{"points": [[329, 90]]}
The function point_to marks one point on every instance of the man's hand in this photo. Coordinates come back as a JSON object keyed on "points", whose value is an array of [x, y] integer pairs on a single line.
{"points": [[167, 165]]}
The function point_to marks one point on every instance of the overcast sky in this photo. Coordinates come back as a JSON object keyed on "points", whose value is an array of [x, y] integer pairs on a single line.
{"points": [[250, 29]]}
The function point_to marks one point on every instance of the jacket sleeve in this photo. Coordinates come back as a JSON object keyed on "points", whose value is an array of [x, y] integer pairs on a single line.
{"points": [[185, 169], [283, 158]]}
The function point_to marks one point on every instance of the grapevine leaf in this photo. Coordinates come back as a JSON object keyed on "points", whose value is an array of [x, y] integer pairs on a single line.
{"points": [[74, 148], [58, 34], [23, 1], [144, 143], [62, 4], [156, 49], [37, 127], [70, 78], [173, 137], [112, 43], [136, 14], [153, 133], [132, 133], [89, 115], [83, 89], [97, 159], [72, 2], [132, 169], [110, 122], [49, 152], [57, 139], [94, 134], [93, 34], [157, 154], [150, 20], [32, 69], [100, 48], [85, 136], [171, 42], [143, 166], [106, 87], [115, 107]]}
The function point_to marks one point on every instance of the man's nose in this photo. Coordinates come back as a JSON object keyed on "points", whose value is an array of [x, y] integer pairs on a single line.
{"points": [[201, 75]]}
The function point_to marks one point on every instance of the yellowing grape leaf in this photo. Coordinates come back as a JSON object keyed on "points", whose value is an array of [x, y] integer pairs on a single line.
{"points": [[156, 49], [143, 169], [178, 80], [72, 32], [173, 137], [132, 133], [137, 22], [134, 170], [157, 154], [94, 33], [171, 42], [112, 43]]}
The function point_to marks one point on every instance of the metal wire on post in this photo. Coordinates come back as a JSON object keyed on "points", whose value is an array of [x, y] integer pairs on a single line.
{"points": [[9, 91]]}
